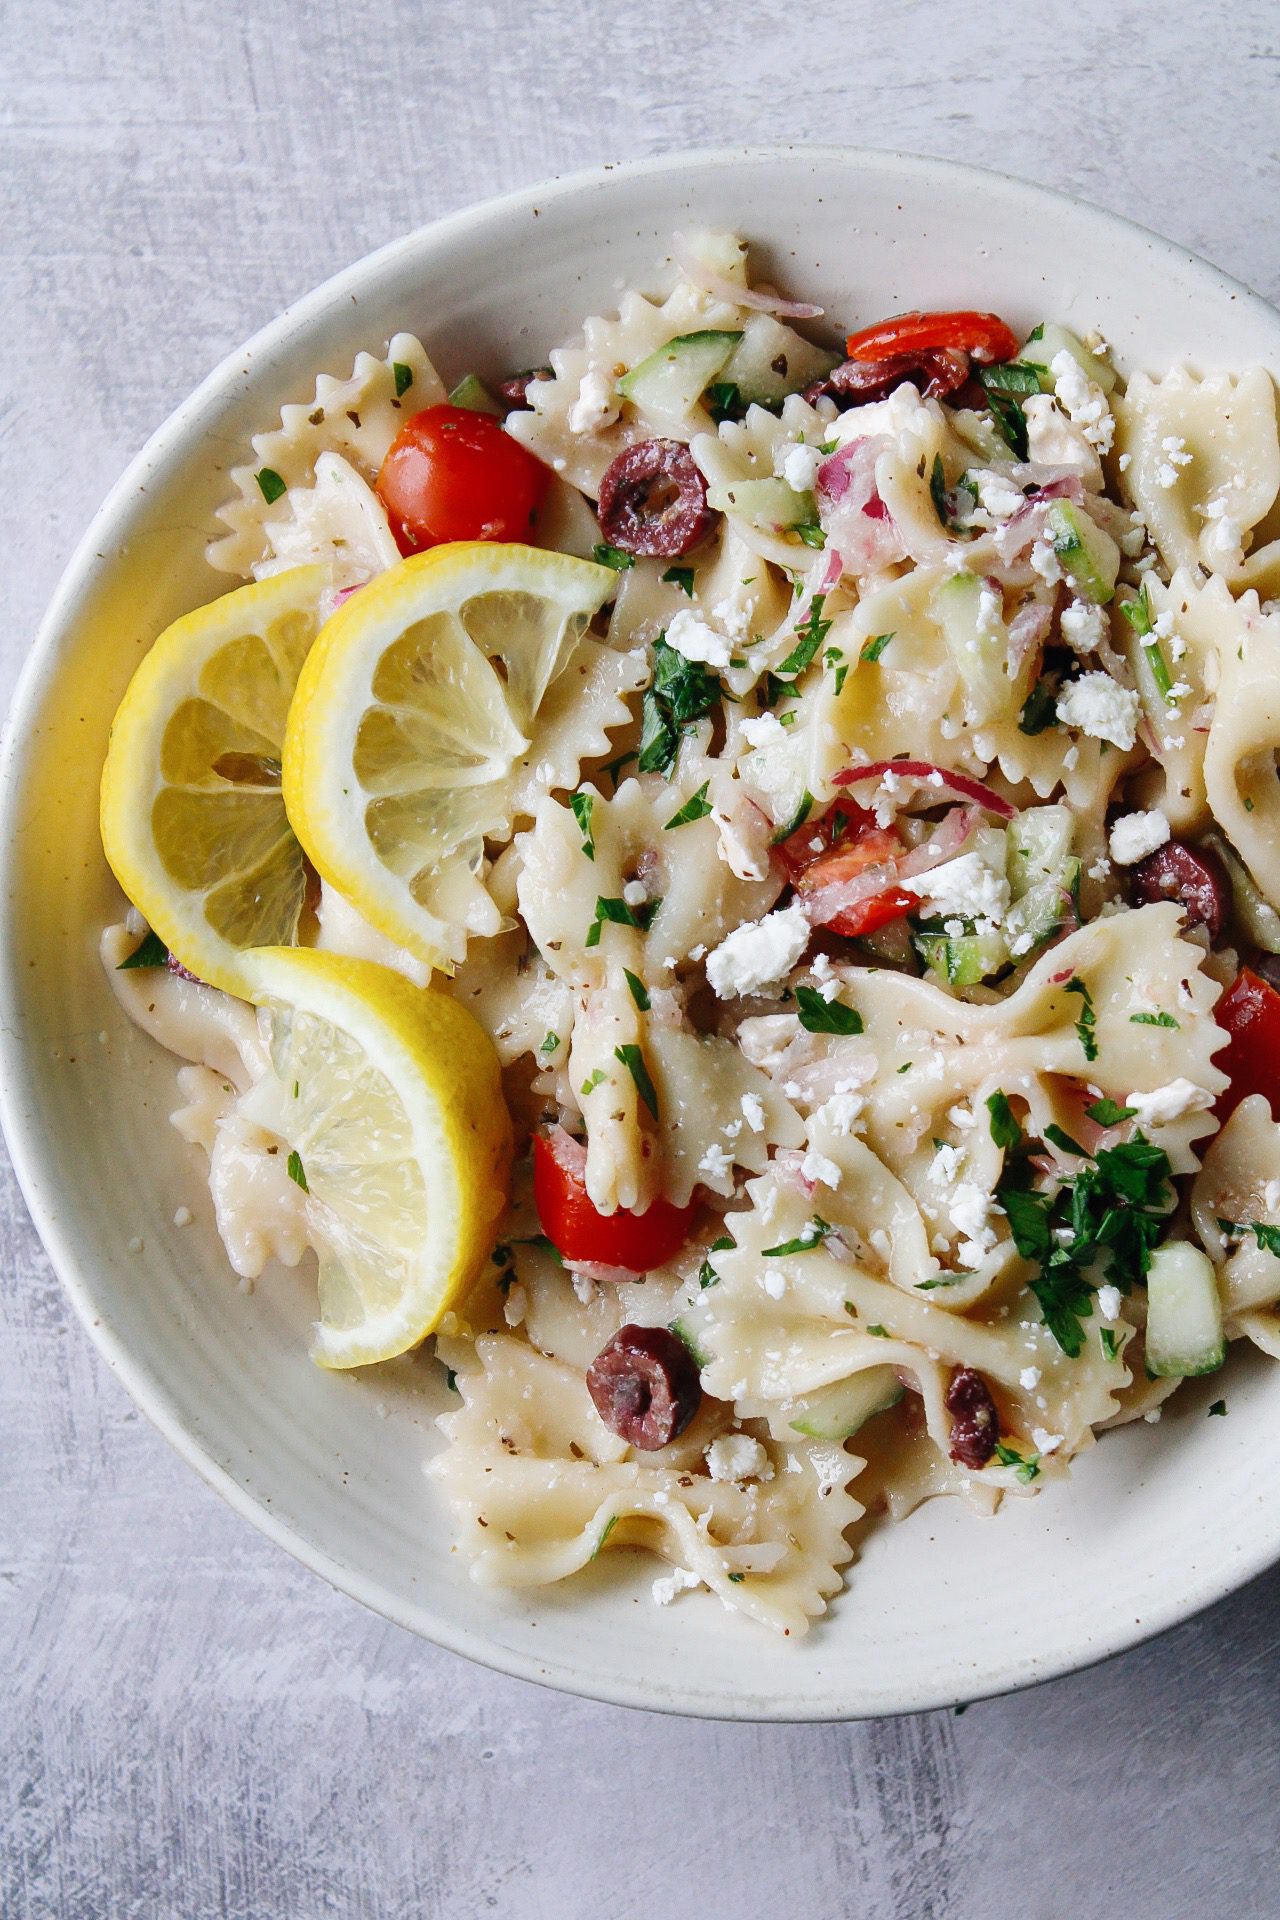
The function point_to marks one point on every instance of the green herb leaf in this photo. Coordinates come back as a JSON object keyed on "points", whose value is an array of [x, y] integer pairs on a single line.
{"points": [[296, 1171], [607, 556], [1006, 412], [152, 952], [872, 649], [682, 692], [270, 485], [938, 491], [551, 1042], [1108, 1341], [1160, 671], [736, 1579], [1026, 1468], [825, 1016], [1138, 612], [1039, 709], [614, 767], [1087, 1022], [605, 1531], [659, 736], [1152, 1020], [1065, 1301], [1010, 376], [1108, 1114], [797, 820], [1006, 1130], [879, 1332], [681, 577], [696, 807], [811, 533], [403, 378], [724, 402], [639, 992], [1218, 1407], [582, 805], [1060, 1138], [809, 637], [707, 1275], [813, 1236], [1028, 1215], [940, 1280], [593, 1080], [621, 915], [633, 1060]]}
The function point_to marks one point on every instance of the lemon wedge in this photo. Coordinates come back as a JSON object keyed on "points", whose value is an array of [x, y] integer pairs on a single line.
{"points": [[411, 713], [386, 1099], [193, 822]]}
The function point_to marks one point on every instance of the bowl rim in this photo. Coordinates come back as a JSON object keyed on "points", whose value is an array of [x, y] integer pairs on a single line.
{"points": [[1199, 1591]]}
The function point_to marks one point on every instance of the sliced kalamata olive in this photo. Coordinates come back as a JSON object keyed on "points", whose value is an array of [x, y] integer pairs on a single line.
{"points": [[975, 1427], [645, 1386], [653, 500], [515, 391], [1193, 876], [856, 381]]}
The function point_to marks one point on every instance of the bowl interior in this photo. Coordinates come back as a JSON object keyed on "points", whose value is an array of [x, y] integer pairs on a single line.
{"points": [[1153, 1523]]}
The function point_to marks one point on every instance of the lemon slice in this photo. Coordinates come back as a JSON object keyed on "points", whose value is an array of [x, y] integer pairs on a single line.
{"points": [[388, 1102], [411, 713], [193, 822]]}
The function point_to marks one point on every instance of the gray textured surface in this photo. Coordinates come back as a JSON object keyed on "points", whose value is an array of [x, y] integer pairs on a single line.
{"points": [[193, 1725]]}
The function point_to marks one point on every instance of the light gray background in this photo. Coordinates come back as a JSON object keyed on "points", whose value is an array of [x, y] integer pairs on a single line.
{"points": [[194, 1726]]}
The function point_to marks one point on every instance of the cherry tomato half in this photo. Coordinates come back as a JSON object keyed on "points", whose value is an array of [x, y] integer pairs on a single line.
{"points": [[1250, 1012], [639, 1241], [848, 842], [453, 474], [983, 335]]}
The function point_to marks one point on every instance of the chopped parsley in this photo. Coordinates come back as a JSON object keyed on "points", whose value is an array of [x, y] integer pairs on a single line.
{"points": [[151, 953], [1219, 1406], [872, 649], [270, 485], [451, 1379], [1152, 1020], [813, 1236], [1005, 1129], [614, 767], [582, 805], [633, 1060], [1026, 1467], [1087, 1023], [809, 637], [938, 491], [550, 1042], [1001, 386], [879, 1332], [1040, 708], [607, 556], [940, 1280], [296, 1171], [592, 1081], [1108, 1342], [1061, 1138], [681, 693], [804, 808], [1010, 376], [639, 992], [825, 1016], [1267, 1237], [736, 1579], [707, 1275], [696, 807], [403, 378], [1108, 1114], [811, 533], [681, 577], [621, 915], [724, 402], [605, 1531]]}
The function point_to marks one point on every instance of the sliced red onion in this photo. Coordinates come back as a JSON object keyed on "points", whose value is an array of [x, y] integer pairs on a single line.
{"points": [[569, 1153], [606, 1276], [1028, 631], [855, 519], [822, 904], [788, 1164], [758, 299], [961, 786]]}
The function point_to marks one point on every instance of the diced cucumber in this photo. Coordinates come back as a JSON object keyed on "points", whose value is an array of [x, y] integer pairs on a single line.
{"points": [[685, 1330], [671, 380], [472, 392], [1089, 557], [1255, 913], [1044, 877], [977, 639], [837, 1411], [770, 361], [1042, 911], [961, 959], [1184, 1313], [1040, 352], [769, 504]]}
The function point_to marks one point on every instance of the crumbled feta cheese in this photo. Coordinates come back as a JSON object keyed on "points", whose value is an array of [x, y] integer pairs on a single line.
{"points": [[799, 467], [1045, 562], [841, 1112], [695, 640], [1223, 538], [1165, 1104], [971, 1207], [753, 1111], [716, 1163], [1101, 868], [1084, 627], [679, 1580], [1029, 1379], [1153, 1418], [1135, 835], [515, 1306], [773, 1282], [998, 498], [1045, 1442], [817, 1167], [634, 893], [183, 1217], [945, 1165], [596, 405], [1085, 402], [880, 1241], [990, 621], [1175, 447], [974, 886], [758, 953], [1125, 462], [736, 1456], [765, 730], [1100, 707], [962, 1117], [1109, 1299]]}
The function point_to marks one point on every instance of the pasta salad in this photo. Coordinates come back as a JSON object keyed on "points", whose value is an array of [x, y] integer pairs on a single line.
{"points": [[733, 885]]}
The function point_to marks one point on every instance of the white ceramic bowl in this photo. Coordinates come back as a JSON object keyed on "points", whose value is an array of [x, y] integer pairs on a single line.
{"points": [[1155, 1522]]}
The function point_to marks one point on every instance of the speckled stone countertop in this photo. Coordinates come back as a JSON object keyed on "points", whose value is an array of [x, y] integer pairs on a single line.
{"points": [[193, 1724]]}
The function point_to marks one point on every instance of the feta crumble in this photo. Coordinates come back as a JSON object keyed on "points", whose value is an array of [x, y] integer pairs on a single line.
{"points": [[596, 405], [1109, 1299], [817, 1167], [679, 1580], [753, 1111], [1084, 401], [1084, 627], [799, 467], [695, 640], [1100, 707], [1135, 835], [758, 953], [736, 1456], [1165, 1104]]}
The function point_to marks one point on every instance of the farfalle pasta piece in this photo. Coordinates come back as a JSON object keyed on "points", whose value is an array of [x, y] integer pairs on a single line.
{"points": [[338, 520], [1201, 462], [357, 418], [539, 1487], [1244, 735], [754, 449], [1239, 1184]]}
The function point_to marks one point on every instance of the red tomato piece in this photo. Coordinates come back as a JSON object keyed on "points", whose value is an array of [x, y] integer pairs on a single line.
{"points": [[453, 474], [848, 842], [638, 1241], [982, 335], [1250, 1012]]}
